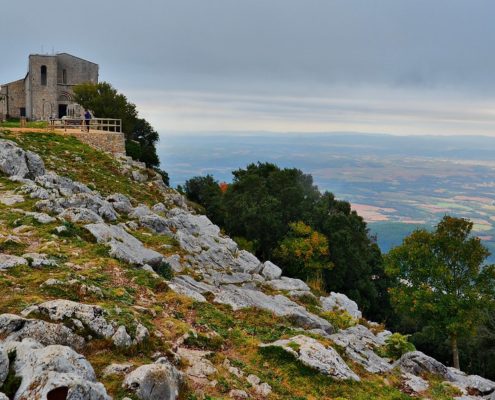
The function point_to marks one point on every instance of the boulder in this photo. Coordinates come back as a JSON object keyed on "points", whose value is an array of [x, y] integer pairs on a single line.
{"points": [[315, 355], [139, 176], [288, 284], [15, 328], [60, 184], [4, 365], [155, 223], [359, 343], [14, 161], [120, 202], [470, 383], [37, 260], [81, 215], [175, 263], [47, 371], [200, 368], [159, 381], [121, 338], [280, 305], [415, 383], [123, 245], [10, 198], [417, 363], [90, 316], [270, 271], [9, 261], [189, 287], [341, 302]]}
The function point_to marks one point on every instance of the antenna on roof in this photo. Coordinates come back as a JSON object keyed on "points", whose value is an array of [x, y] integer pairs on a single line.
{"points": [[53, 51]]}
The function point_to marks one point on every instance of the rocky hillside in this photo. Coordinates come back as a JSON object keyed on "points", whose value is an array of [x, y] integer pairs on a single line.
{"points": [[113, 287]]}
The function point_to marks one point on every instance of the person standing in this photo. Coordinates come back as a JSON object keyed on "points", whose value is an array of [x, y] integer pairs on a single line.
{"points": [[87, 117]]}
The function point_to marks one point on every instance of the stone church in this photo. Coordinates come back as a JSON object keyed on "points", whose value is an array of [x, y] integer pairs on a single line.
{"points": [[46, 90]]}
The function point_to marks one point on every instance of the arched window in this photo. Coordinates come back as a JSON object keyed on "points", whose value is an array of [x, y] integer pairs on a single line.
{"points": [[64, 76], [43, 75]]}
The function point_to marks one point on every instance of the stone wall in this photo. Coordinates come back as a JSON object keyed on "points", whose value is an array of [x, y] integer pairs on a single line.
{"points": [[16, 98], [43, 97], [106, 141]]}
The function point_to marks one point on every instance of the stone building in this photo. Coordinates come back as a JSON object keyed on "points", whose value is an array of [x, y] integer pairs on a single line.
{"points": [[46, 90]]}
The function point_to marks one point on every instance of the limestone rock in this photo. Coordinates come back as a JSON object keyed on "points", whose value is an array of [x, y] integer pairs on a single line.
{"points": [[238, 394], [139, 176], [37, 260], [359, 343], [82, 215], [10, 198], [285, 283], [117, 369], [271, 271], [124, 246], [3, 396], [4, 365], [159, 381], [342, 302], [313, 354], [468, 383], [91, 316], [415, 383], [9, 261], [200, 368], [121, 338], [189, 287], [54, 369], [416, 363], [14, 161], [280, 305], [120, 202], [175, 263], [15, 328], [142, 334]]}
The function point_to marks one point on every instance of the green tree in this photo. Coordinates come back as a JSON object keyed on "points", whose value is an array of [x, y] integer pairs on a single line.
{"points": [[106, 102], [358, 266], [303, 254], [441, 279], [205, 190], [263, 199]]}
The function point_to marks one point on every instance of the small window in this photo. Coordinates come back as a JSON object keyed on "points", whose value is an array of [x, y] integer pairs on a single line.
{"points": [[22, 111], [43, 75], [64, 76]]}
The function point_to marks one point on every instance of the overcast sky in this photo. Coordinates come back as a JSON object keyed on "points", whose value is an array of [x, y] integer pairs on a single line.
{"points": [[388, 66]]}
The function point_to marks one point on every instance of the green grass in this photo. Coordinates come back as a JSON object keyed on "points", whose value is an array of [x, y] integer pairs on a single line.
{"points": [[15, 123]]}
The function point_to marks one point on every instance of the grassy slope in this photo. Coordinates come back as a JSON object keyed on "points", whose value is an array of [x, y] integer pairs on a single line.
{"points": [[125, 290]]}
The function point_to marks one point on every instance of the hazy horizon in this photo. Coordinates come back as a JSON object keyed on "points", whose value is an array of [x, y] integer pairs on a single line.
{"points": [[397, 67]]}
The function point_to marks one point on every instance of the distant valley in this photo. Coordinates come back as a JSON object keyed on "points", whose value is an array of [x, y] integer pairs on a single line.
{"points": [[397, 183]]}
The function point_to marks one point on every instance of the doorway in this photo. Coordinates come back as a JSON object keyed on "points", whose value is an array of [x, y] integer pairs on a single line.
{"points": [[62, 110]]}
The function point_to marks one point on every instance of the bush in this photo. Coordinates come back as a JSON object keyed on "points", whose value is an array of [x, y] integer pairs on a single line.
{"points": [[164, 270], [340, 319], [396, 345]]}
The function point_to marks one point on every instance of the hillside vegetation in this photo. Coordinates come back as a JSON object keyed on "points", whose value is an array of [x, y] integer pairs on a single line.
{"points": [[111, 271]]}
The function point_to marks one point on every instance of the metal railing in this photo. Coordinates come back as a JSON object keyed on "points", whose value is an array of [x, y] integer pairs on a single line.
{"points": [[94, 124]]}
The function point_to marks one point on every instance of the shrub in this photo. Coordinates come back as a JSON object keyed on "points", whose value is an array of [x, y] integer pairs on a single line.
{"points": [[396, 345], [164, 270], [340, 319]]}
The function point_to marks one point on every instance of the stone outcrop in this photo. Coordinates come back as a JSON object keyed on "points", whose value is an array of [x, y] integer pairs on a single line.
{"points": [[90, 317], [341, 302], [123, 245], [51, 369], [359, 344], [313, 354], [14, 161], [158, 381], [14, 328]]}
